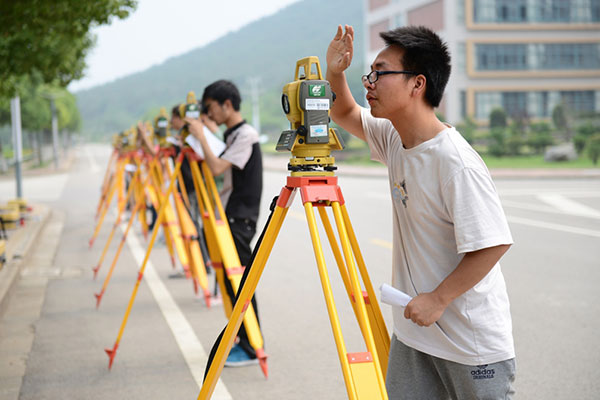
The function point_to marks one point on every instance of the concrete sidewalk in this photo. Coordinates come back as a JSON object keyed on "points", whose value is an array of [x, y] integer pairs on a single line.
{"points": [[19, 248], [279, 163]]}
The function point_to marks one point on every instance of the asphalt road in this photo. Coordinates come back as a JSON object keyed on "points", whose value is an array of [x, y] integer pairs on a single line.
{"points": [[552, 275]]}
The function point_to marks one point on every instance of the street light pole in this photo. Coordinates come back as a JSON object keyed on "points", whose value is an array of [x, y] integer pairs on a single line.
{"points": [[15, 114]]}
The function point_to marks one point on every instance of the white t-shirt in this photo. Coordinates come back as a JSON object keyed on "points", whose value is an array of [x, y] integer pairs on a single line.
{"points": [[445, 204]]}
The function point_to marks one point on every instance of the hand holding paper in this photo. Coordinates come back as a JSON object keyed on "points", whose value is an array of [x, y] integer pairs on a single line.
{"points": [[393, 296]]}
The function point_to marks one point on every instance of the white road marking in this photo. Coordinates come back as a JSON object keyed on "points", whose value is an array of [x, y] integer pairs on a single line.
{"points": [[191, 348], [568, 206], [556, 227], [573, 192], [545, 209], [381, 243]]}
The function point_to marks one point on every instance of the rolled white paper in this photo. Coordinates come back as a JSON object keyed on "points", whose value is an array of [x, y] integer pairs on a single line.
{"points": [[393, 296]]}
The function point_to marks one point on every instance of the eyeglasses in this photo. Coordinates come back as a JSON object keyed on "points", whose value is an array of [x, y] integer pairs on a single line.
{"points": [[373, 76]]}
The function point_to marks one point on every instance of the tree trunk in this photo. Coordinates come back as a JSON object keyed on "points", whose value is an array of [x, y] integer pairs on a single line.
{"points": [[3, 164]]}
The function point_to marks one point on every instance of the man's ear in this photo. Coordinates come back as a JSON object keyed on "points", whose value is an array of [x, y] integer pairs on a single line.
{"points": [[420, 83]]}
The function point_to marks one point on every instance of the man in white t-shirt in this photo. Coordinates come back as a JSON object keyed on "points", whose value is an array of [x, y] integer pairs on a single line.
{"points": [[454, 339]]}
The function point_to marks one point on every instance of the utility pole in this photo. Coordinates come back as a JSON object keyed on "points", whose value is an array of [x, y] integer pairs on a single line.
{"points": [[15, 117]]}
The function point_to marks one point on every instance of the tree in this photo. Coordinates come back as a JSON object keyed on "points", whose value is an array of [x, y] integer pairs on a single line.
{"points": [[50, 38], [498, 124], [593, 148], [584, 132], [467, 129], [498, 118], [539, 137], [560, 117]]}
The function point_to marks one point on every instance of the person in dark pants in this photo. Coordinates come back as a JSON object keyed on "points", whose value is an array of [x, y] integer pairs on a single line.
{"points": [[241, 165]]}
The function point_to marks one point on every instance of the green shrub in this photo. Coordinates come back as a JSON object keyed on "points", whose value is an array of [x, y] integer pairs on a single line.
{"points": [[497, 147], [593, 148], [467, 129], [498, 118], [539, 137], [579, 141], [514, 145]]}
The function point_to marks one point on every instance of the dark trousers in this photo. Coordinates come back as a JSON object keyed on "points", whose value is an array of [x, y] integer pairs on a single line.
{"points": [[243, 231]]}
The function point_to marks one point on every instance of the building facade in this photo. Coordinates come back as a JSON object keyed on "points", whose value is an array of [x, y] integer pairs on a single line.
{"points": [[526, 56]]}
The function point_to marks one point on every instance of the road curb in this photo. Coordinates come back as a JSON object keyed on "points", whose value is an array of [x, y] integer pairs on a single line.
{"points": [[18, 246]]}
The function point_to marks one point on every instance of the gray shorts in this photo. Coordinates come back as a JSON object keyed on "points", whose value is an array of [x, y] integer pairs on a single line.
{"points": [[413, 375]]}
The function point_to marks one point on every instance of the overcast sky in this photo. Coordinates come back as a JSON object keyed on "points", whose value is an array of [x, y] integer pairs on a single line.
{"points": [[158, 30]]}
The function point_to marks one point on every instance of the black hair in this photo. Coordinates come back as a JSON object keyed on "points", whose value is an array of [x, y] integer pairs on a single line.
{"points": [[223, 90], [424, 52], [175, 111]]}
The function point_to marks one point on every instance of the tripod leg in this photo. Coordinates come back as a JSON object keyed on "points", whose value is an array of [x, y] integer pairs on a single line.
{"points": [[362, 372], [121, 209], [339, 259], [243, 301], [161, 214], [106, 182], [105, 208], [116, 257], [380, 332], [331, 309]]}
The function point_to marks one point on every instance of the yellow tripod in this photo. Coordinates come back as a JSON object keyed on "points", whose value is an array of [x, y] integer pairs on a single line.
{"points": [[306, 102], [221, 248], [362, 370]]}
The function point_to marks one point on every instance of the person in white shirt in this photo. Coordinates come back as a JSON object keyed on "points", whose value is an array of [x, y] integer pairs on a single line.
{"points": [[454, 338]]}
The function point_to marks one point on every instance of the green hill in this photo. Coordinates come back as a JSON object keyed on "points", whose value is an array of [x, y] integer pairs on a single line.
{"points": [[266, 49]]}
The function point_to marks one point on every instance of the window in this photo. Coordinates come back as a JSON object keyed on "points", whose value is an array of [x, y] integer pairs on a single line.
{"points": [[536, 104], [540, 11], [537, 56], [579, 101], [485, 102], [570, 56], [501, 57], [515, 104]]}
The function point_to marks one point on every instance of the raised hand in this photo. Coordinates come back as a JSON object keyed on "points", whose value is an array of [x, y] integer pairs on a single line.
{"points": [[341, 49]]}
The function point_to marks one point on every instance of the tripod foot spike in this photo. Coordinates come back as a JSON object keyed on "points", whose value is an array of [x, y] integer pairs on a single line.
{"points": [[111, 355], [95, 269], [173, 262], [91, 242], [98, 298], [207, 297], [262, 361]]}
